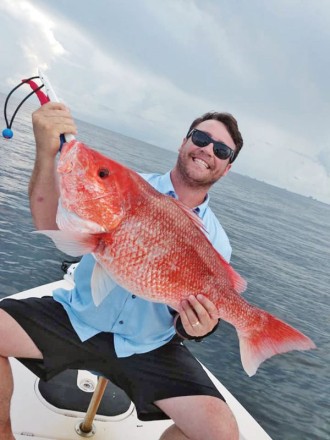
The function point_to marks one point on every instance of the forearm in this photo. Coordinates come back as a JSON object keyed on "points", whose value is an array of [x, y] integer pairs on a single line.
{"points": [[49, 121], [44, 193]]}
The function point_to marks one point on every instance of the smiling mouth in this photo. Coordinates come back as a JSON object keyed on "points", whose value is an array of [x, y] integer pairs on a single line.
{"points": [[201, 162]]}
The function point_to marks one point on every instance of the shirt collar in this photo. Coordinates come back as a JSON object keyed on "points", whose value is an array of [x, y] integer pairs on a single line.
{"points": [[168, 189]]}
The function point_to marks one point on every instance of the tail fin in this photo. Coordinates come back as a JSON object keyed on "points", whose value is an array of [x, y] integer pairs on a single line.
{"points": [[269, 337]]}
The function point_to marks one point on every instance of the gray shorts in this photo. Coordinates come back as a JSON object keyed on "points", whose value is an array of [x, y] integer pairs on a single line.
{"points": [[168, 371]]}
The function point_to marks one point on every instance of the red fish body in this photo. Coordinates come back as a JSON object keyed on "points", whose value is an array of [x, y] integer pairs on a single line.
{"points": [[155, 247]]}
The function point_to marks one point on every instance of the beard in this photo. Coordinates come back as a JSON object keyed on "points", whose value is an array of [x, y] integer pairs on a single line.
{"points": [[190, 177]]}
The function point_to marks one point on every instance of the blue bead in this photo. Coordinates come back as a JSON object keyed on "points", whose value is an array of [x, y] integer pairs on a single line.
{"points": [[7, 133]]}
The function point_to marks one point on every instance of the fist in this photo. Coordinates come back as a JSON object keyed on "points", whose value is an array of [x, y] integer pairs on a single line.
{"points": [[49, 122], [198, 315]]}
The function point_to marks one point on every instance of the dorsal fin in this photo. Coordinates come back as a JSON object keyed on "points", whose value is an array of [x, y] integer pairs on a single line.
{"points": [[239, 283], [191, 214]]}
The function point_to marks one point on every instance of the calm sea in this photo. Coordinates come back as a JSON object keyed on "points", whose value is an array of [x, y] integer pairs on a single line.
{"points": [[281, 245]]}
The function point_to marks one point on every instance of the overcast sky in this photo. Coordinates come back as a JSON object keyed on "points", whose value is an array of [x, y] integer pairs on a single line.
{"points": [[147, 68]]}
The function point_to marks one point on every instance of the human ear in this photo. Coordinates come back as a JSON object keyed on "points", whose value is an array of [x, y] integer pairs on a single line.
{"points": [[184, 141], [227, 169]]}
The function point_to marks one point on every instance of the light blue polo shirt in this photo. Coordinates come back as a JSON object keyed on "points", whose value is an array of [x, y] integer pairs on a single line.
{"points": [[138, 325]]}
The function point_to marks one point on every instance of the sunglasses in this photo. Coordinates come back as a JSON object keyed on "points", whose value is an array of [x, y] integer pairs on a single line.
{"points": [[202, 139]]}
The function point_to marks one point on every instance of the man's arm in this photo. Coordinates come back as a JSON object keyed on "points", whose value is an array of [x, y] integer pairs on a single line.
{"points": [[49, 122]]}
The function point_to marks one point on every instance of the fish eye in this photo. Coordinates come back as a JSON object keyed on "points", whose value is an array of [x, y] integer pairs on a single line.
{"points": [[103, 173]]}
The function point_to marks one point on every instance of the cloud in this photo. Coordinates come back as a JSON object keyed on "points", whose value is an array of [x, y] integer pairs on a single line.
{"points": [[324, 158], [272, 159], [36, 41], [147, 69]]}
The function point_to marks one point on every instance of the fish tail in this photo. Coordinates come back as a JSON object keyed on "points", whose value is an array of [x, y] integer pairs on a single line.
{"points": [[268, 337]]}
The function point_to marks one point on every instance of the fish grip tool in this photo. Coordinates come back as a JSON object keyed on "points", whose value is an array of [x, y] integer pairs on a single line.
{"points": [[65, 137], [8, 133], [49, 95]]}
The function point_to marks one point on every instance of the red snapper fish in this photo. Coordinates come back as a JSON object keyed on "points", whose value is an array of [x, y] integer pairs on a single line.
{"points": [[155, 247]]}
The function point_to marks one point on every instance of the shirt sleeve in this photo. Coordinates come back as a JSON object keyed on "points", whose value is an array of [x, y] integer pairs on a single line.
{"points": [[217, 235]]}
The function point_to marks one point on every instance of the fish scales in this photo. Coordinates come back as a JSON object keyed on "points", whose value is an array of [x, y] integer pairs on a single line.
{"points": [[162, 243], [155, 247]]}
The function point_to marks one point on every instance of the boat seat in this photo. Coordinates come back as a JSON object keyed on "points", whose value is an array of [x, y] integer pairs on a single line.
{"points": [[107, 400]]}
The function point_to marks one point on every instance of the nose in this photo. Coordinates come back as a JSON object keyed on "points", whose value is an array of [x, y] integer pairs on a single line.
{"points": [[208, 149]]}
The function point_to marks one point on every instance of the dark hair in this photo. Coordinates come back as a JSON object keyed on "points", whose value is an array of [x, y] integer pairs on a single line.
{"points": [[229, 121]]}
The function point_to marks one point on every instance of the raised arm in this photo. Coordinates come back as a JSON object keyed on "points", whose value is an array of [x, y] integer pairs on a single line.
{"points": [[49, 122]]}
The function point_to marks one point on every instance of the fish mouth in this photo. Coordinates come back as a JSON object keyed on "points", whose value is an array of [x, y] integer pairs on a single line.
{"points": [[68, 157]]}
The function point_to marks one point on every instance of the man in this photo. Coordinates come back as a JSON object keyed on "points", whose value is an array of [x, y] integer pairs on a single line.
{"points": [[134, 342]]}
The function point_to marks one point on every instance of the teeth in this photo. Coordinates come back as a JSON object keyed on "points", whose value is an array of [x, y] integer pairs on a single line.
{"points": [[201, 162]]}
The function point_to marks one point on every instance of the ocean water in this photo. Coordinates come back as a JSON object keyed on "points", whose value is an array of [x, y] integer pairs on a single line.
{"points": [[281, 245]]}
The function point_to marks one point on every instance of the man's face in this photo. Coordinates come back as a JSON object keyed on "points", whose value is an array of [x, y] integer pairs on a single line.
{"points": [[199, 166]]}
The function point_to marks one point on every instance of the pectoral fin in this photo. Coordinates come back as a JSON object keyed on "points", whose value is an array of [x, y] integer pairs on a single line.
{"points": [[73, 243], [102, 284]]}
